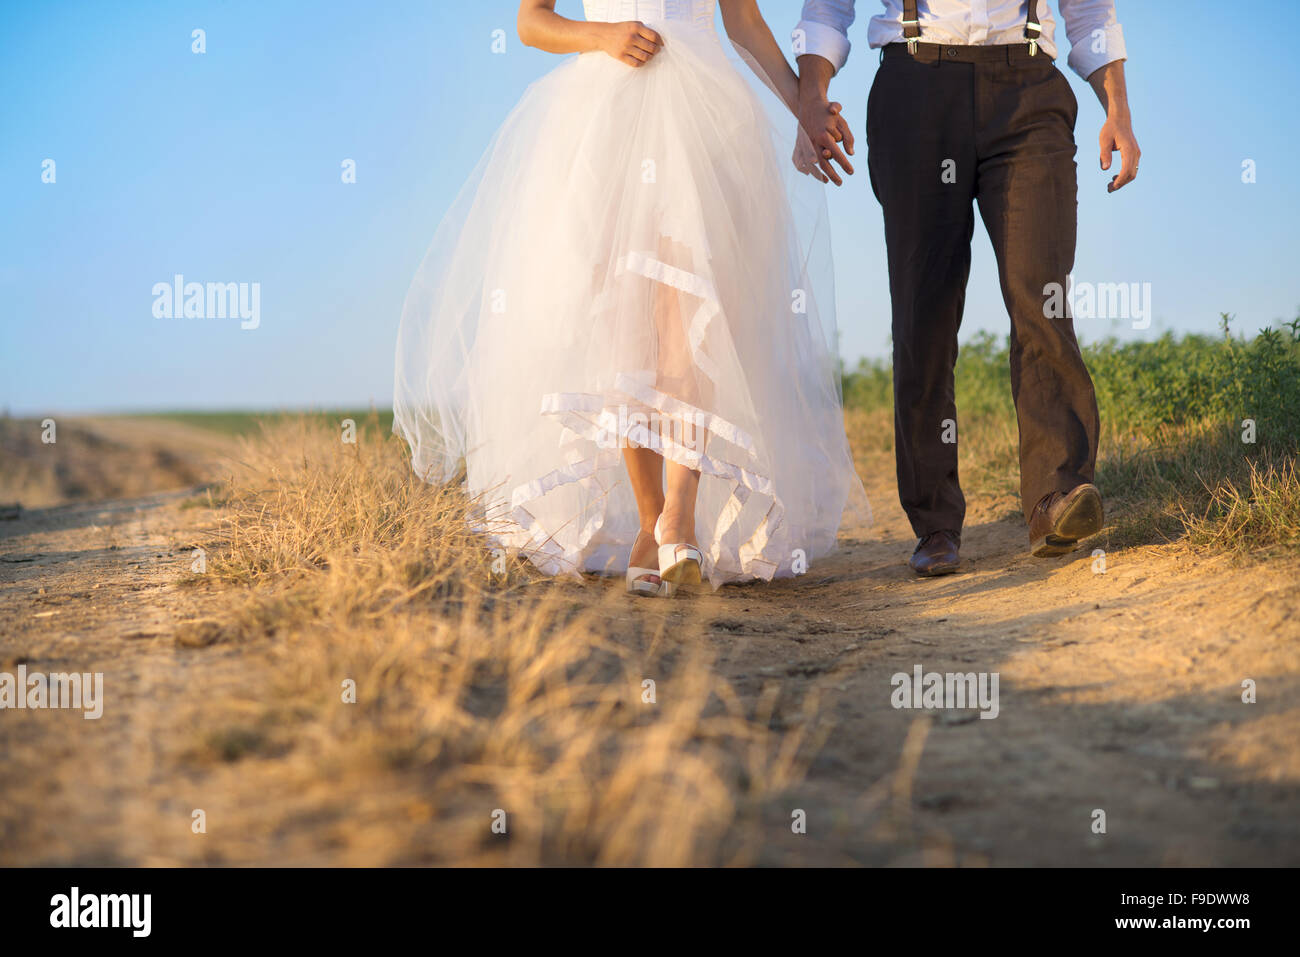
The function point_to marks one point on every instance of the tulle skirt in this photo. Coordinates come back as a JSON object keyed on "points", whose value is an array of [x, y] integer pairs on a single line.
{"points": [[634, 263]]}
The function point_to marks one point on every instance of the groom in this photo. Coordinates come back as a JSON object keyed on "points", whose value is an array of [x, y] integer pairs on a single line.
{"points": [[967, 107]]}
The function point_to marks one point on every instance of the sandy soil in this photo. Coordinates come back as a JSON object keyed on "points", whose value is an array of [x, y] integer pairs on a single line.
{"points": [[1119, 690]]}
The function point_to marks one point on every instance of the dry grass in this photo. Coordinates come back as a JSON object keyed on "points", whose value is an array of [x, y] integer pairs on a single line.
{"points": [[1197, 485], [988, 452], [1193, 484], [475, 693], [1261, 514]]}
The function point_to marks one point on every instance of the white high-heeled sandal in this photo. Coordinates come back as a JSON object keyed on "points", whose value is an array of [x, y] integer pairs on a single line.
{"points": [[679, 564], [643, 581]]}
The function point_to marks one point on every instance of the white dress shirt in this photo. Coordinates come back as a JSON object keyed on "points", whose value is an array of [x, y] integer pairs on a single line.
{"points": [[1095, 35]]}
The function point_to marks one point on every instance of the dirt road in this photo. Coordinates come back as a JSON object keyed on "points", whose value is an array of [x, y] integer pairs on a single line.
{"points": [[1119, 689]]}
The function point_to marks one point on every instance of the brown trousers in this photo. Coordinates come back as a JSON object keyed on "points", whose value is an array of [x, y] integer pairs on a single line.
{"points": [[947, 127]]}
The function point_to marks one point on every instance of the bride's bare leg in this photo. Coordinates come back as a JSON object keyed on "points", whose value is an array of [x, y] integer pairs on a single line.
{"points": [[645, 470], [678, 524], [677, 377]]}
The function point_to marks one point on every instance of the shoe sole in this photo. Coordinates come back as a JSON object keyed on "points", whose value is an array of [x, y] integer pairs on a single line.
{"points": [[686, 572], [936, 571], [1081, 518]]}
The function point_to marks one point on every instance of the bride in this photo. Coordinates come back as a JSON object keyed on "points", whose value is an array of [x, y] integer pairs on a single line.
{"points": [[623, 333]]}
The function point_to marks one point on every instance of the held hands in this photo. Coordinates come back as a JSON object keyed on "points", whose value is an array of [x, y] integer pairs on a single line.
{"points": [[821, 124], [825, 130], [630, 42]]}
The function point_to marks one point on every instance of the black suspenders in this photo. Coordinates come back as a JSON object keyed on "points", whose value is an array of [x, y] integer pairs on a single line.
{"points": [[912, 26]]}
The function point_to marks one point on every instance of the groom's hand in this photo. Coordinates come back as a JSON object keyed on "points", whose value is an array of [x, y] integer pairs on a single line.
{"points": [[1117, 132], [821, 119]]}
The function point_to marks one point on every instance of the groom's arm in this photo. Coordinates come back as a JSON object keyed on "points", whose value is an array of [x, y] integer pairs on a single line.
{"points": [[822, 46], [823, 30], [1117, 131], [1097, 54]]}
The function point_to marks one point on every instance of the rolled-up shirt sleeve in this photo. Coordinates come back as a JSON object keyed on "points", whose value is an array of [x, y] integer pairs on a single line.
{"points": [[824, 30], [1096, 38]]}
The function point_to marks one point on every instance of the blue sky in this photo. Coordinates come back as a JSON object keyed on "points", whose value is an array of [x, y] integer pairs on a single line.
{"points": [[225, 166]]}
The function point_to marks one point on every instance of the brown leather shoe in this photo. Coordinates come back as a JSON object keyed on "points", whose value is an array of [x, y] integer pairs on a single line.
{"points": [[1059, 521], [936, 554]]}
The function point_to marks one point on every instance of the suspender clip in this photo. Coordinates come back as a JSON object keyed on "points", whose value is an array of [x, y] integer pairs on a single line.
{"points": [[912, 41], [1033, 40]]}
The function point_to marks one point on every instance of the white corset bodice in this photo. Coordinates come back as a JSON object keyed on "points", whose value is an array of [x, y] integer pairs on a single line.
{"points": [[696, 14]]}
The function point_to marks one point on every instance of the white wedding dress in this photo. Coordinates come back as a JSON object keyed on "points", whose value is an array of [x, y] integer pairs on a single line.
{"points": [[634, 260]]}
